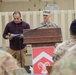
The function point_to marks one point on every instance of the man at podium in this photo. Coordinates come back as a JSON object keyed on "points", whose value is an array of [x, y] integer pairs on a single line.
{"points": [[47, 20], [14, 33]]}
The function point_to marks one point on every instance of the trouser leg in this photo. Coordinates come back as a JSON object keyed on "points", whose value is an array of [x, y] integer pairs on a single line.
{"points": [[13, 53], [20, 57]]}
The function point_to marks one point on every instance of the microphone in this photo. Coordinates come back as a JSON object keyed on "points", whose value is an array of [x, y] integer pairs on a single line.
{"points": [[37, 28], [41, 26]]}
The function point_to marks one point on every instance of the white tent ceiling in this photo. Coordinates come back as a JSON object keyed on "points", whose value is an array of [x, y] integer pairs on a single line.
{"points": [[19, 0], [12, 0]]}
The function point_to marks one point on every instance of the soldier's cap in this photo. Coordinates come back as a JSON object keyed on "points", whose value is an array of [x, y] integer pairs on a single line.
{"points": [[46, 12], [73, 27]]}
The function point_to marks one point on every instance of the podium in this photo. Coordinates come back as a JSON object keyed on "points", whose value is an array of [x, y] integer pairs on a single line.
{"points": [[42, 37]]}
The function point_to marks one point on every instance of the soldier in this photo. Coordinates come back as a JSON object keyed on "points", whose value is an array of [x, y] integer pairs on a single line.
{"points": [[7, 63], [64, 47], [47, 19], [66, 65]]}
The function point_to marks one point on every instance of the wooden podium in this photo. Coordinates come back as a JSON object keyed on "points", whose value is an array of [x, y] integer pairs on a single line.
{"points": [[42, 37]]}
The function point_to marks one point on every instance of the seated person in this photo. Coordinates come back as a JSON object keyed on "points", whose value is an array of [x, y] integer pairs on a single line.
{"points": [[66, 65], [8, 64], [64, 47]]}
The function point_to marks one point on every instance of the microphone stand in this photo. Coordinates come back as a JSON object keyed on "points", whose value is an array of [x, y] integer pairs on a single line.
{"points": [[20, 52], [18, 35], [36, 28]]}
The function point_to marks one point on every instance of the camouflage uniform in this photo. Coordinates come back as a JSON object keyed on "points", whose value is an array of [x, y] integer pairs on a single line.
{"points": [[63, 48], [48, 22], [7, 63], [49, 25], [66, 65]]}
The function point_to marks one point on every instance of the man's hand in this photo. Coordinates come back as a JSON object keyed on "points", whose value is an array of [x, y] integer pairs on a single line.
{"points": [[21, 35], [9, 37]]}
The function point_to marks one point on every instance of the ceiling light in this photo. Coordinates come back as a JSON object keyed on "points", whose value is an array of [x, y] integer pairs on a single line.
{"points": [[46, 0]]}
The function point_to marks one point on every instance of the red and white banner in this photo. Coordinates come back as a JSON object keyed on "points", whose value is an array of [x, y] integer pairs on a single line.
{"points": [[42, 57]]}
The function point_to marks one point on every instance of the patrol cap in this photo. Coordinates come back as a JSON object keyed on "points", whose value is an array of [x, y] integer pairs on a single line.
{"points": [[46, 12], [73, 27]]}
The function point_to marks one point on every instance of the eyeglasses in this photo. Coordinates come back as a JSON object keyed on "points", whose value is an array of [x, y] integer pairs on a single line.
{"points": [[45, 15]]}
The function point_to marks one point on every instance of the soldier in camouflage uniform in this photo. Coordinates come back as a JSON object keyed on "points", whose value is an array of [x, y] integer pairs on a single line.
{"points": [[7, 63], [66, 65], [47, 20], [64, 47]]}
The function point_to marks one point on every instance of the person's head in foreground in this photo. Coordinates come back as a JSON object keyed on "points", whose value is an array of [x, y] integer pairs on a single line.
{"points": [[73, 29]]}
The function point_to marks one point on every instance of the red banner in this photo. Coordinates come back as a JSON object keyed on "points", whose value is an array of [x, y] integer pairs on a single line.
{"points": [[42, 57]]}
